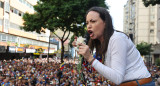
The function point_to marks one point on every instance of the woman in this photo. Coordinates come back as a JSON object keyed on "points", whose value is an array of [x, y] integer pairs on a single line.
{"points": [[121, 63]]}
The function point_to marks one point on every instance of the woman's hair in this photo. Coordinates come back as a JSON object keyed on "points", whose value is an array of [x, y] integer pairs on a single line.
{"points": [[108, 31]]}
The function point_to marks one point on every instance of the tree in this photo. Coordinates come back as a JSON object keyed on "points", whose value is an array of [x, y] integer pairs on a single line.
{"points": [[26, 45], [8, 43], [150, 2], [144, 48], [71, 40], [66, 15], [16, 44], [158, 61]]}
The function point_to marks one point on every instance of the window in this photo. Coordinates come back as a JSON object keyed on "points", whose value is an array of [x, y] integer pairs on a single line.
{"points": [[152, 23], [31, 6], [151, 30], [23, 1], [4, 37], [28, 4], [152, 17], [13, 39], [9, 38], [11, 9], [15, 11], [20, 14], [152, 9], [156, 56], [1, 4], [20, 1], [23, 41]]}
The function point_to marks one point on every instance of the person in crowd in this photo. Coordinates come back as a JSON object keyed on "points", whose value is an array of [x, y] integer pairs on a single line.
{"points": [[121, 63]]}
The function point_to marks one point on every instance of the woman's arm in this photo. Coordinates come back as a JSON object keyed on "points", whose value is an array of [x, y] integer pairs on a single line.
{"points": [[116, 71]]}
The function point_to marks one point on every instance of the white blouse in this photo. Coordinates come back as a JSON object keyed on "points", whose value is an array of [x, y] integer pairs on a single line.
{"points": [[123, 61]]}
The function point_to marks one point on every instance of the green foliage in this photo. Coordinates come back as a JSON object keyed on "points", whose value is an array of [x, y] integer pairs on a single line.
{"points": [[144, 48], [150, 2], [66, 15], [70, 42], [26, 45], [8, 43], [158, 61], [16, 44]]}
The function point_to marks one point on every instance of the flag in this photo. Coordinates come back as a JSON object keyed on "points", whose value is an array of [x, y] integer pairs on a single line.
{"points": [[98, 57], [90, 69], [62, 66], [85, 64], [2, 83]]}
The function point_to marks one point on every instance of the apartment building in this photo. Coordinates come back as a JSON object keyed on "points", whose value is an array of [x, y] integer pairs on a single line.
{"points": [[129, 18], [143, 23], [11, 12]]}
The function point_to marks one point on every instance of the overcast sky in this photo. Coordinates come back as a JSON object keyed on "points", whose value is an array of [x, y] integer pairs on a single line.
{"points": [[116, 11]]}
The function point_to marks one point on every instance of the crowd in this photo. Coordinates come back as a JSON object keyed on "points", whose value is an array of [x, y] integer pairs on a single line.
{"points": [[155, 73], [37, 72], [26, 72]]}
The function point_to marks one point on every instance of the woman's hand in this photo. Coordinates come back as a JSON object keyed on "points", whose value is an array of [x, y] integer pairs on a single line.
{"points": [[85, 52]]}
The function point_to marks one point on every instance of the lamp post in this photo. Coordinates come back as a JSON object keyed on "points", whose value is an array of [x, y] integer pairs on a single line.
{"points": [[48, 49]]}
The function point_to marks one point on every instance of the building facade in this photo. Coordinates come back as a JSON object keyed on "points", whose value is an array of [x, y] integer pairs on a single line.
{"points": [[11, 13], [129, 18], [142, 23]]}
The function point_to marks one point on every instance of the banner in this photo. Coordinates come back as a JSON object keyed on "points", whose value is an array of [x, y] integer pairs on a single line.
{"points": [[50, 50], [39, 50], [12, 49], [19, 49], [30, 50]]}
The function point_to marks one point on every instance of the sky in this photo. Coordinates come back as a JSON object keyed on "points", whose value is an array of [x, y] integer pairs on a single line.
{"points": [[116, 12]]}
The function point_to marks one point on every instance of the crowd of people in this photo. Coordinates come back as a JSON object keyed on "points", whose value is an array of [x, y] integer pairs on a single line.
{"points": [[155, 73], [38, 72]]}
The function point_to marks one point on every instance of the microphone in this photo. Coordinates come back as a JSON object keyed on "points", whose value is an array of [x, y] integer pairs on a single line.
{"points": [[86, 37]]}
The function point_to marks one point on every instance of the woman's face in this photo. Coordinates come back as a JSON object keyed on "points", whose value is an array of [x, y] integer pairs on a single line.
{"points": [[95, 25]]}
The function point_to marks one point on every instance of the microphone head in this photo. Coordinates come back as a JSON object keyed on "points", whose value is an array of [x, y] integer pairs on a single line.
{"points": [[87, 37]]}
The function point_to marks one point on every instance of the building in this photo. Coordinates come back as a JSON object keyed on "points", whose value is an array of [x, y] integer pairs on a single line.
{"points": [[129, 18], [142, 23], [11, 12]]}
